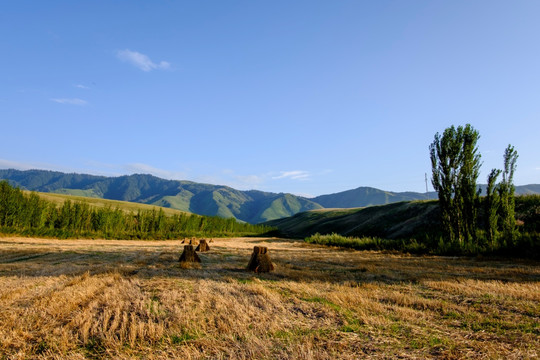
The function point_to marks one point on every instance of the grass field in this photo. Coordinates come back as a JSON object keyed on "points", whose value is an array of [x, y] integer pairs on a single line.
{"points": [[126, 206], [96, 299]]}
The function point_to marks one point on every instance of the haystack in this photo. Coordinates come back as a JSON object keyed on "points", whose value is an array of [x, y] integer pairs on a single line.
{"points": [[203, 246], [189, 255], [260, 260]]}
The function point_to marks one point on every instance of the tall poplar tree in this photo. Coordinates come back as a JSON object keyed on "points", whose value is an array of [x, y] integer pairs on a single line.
{"points": [[506, 192], [455, 164], [492, 203]]}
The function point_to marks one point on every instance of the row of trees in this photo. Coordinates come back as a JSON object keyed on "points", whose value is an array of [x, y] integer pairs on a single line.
{"points": [[29, 214], [467, 218]]}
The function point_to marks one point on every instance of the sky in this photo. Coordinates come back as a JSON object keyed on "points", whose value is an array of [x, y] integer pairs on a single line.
{"points": [[307, 97]]}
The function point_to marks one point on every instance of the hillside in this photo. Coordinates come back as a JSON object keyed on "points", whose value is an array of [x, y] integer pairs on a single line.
{"points": [[205, 199], [126, 206], [65, 216], [367, 196], [403, 220], [392, 221]]}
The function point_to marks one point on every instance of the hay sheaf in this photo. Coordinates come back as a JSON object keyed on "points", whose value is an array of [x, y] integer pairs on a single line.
{"points": [[189, 256], [260, 260], [203, 246]]}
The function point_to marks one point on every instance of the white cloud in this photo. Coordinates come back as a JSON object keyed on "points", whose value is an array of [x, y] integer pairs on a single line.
{"points": [[308, 196], [7, 164], [246, 182], [293, 175], [249, 179], [81, 86], [141, 61], [73, 101], [228, 177], [147, 169]]}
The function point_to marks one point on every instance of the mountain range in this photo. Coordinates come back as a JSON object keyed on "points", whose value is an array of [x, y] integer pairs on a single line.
{"points": [[251, 206]]}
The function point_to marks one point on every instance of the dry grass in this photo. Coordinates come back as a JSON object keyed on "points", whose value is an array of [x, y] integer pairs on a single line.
{"points": [[126, 206], [81, 299]]}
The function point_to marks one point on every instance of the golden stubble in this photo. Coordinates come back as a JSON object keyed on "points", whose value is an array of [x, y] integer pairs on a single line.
{"points": [[131, 299]]}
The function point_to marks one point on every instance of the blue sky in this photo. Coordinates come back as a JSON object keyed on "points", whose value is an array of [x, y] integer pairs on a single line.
{"points": [[309, 97]]}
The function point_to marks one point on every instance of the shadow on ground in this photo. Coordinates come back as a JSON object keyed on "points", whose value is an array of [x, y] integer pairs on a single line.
{"points": [[294, 260]]}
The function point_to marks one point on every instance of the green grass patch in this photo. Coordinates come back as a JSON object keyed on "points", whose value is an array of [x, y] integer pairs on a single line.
{"points": [[297, 333], [183, 337], [245, 281], [366, 243], [320, 300]]}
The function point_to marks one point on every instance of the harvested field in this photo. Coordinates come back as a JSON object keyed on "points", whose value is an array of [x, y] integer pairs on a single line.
{"points": [[81, 299]]}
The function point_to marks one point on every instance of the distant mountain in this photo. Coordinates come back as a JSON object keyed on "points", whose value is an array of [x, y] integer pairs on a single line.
{"points": [[203, 199], [528, 189], [206, 199], [367, 196]]}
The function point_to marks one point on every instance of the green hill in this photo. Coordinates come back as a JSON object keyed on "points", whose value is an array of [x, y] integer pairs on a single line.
{"points": [[392, 221], [367, 196], [403, 220], [203, 199], [66, 216], [94, 202]]}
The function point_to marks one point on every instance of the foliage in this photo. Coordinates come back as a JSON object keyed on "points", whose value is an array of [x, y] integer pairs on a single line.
{"points": [[387, 228], [506, 191], [455, 163], [492, 203], [526, 244], [366, 243], [31, 215]]}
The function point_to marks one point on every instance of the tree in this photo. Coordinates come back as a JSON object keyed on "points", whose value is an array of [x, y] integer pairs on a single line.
{"points": [[468, 174], [455, 164], [492, 203], [506, 192]]}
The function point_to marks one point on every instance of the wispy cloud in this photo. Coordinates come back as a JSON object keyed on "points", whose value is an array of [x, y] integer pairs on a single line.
{"points": [[249, 180], [9, 164], [141, 61], [230, 178], [148, 169], [73, 101], [293, 175], [306, 195], [81, 86]]}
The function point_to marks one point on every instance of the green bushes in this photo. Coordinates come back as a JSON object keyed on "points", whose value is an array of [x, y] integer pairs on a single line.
{"points": [[30, 215], [523, 245], [366, 243]]}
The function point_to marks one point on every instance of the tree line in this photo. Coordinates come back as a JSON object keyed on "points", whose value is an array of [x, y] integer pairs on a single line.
{"points": [[28, 214], [472, 222]]}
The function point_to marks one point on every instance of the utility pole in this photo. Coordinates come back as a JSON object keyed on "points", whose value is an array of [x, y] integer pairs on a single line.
{"points": [[426, 185]]}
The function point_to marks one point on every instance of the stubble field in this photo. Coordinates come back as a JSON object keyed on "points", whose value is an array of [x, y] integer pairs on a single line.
{"points": [[96, 299]]}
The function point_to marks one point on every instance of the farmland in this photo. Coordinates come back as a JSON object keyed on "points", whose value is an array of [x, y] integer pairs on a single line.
{"points": [[126, 299]]}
